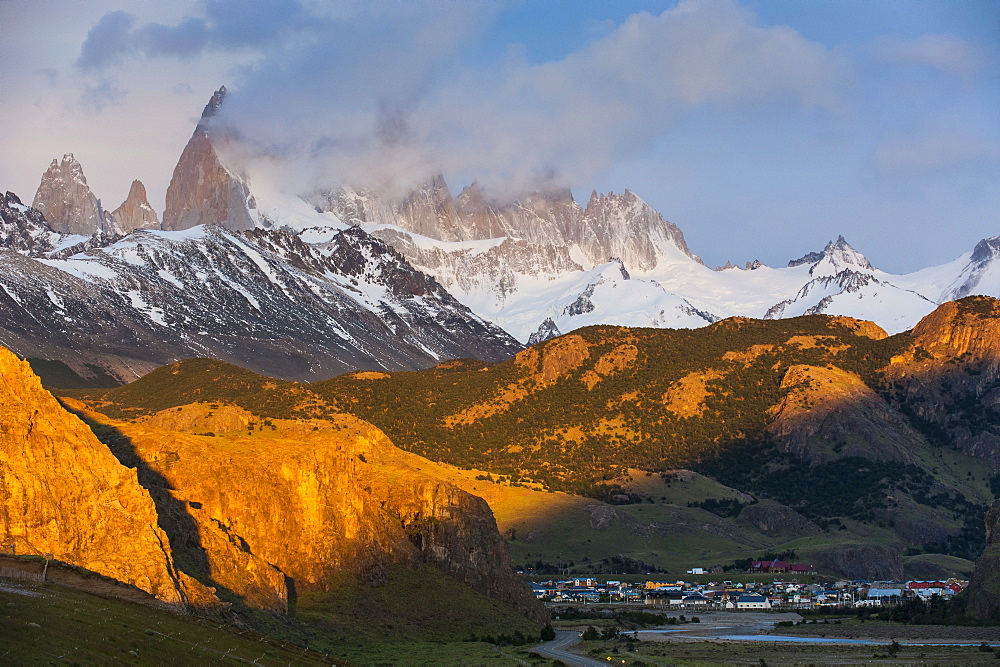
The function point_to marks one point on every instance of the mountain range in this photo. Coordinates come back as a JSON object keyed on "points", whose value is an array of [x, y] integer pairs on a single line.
{"points": [[304, 285]]}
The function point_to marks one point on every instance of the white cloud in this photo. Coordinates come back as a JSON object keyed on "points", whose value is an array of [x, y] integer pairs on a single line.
{"points": [[932, 150], [945, 52], [517, 122]]}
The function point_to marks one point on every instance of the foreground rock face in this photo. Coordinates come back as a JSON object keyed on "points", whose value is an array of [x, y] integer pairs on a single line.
{"points": [[268, 510], [64, 493], [983, 594], [335, 491]]}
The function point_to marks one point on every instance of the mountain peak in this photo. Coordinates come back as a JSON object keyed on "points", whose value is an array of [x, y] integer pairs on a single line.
{"points": [[986, 250], [202, 190], [65, 199], [212, 108], [837, 256], [135, 212], [843, 251]]}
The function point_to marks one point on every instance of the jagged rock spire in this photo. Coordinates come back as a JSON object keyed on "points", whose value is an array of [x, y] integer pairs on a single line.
{"points": [[67, 203], [202, 191], [135, 212]]}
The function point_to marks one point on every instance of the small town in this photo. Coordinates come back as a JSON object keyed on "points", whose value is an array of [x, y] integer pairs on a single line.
{"points": [[778, 594]]}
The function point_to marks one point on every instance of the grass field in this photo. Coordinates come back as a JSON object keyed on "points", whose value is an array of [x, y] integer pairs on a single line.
{"points": [[48, 623]]}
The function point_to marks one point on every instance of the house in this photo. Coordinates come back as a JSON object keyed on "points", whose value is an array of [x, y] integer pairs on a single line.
{"points": [[752, 601], [696, 600], [542, 591], [633, 595], [661, 596], [768, 567], [778, 567], [885, 594]]}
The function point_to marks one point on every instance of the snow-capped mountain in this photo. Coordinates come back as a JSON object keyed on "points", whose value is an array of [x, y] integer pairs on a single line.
{"points": [[265, 300], [305, 285]]}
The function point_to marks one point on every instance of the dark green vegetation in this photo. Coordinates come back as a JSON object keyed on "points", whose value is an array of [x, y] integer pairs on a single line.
{"points": [[859, 451], [915, 611], [58, 374], [624, 423], [195, 380]]}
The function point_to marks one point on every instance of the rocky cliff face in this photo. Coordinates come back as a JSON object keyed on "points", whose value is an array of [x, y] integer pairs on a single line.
{"points": [[550, 222], [259, 513], [961, 400], [828, 413], [64, 493], [202, 191], [135, 212], [983, 595], [516, 262], [340, 496], [873, 562], [67, 203]]}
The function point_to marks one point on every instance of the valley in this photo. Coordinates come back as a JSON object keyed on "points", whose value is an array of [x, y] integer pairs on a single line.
{"points": [[384, 362]]}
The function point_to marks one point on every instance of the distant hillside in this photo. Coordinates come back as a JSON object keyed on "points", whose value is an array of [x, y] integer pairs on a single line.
{"points": [[827, 416]]}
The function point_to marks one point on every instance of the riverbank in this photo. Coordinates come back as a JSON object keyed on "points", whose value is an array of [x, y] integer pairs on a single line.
{"points": [[883, 631]]}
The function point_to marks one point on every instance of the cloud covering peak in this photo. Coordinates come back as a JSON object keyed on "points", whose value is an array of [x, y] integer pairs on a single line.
{"points": [[384, 103]]}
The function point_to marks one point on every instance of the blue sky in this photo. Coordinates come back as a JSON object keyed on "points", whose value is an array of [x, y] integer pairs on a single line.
{"points": [[763, 129]]}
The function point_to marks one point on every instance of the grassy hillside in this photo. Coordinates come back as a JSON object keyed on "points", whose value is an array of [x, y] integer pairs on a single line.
{"points": [[50, 623], [799, 413]]}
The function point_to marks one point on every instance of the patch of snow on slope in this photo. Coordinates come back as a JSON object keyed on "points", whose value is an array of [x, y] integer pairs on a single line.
{"points": [[82, 267], [153, 313], [477, 247]]}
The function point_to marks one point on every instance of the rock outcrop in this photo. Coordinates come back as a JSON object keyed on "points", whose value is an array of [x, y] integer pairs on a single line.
{"points": [[772, 518], [260, 513], [64, 493], [135, 212], [338, 493], [67, 203], [23, 229], [829, 413], [957, 400], [983, 594], [873, 562], [202, 191]]}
